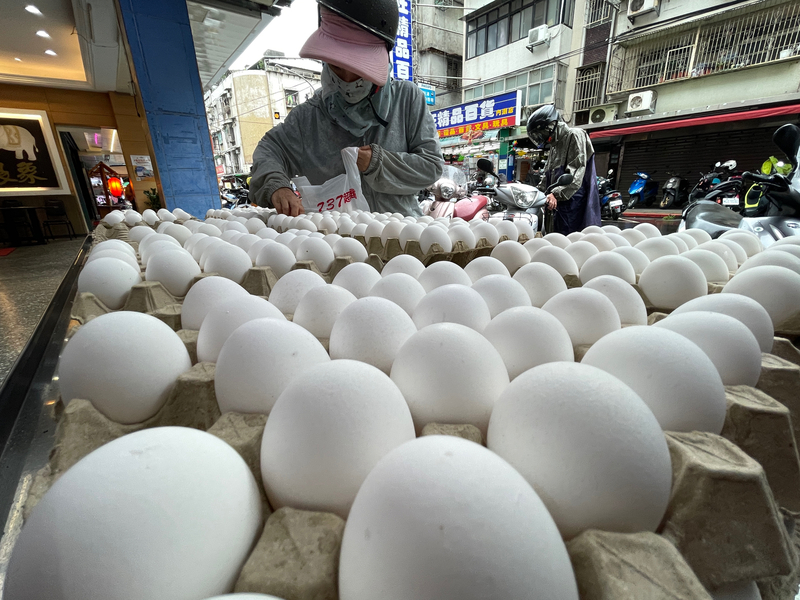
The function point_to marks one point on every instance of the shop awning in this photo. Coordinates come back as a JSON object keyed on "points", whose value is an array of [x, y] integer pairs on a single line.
{"points": [[792, 109]]}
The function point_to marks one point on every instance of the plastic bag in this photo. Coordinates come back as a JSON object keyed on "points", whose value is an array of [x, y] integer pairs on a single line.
{"points": [[342, 193]]}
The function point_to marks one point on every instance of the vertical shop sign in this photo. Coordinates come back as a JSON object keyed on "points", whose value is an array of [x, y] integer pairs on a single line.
{"points": [[402, 55]]}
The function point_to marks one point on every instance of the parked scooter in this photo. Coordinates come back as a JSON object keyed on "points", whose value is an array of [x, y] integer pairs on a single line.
{"points": [[721, 172], [674, 193], [234, 197], [448, 198], [728, 194], [643, 190], [611, 205], [516, 201], [779, 214]]}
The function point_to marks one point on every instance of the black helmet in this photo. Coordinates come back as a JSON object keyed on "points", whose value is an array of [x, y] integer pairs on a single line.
{"points": [[379, 17], [542, 123]]}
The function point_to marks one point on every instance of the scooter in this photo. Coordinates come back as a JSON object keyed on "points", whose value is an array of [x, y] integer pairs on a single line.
{"points": [[727, 193], [516, 201], [611, 205], [674, 192], [448, 198], [780, 203], [721, 172], [643, 190]]}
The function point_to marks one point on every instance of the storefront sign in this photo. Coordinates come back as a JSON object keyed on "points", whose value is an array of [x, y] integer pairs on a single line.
{"points": [[402, 55], [430, 94], [220, 169], [142, 165], [495, 112], [29, 159]]}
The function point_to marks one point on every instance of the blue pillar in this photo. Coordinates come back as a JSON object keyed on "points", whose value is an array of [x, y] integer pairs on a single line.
{"points": [[160, 40]]}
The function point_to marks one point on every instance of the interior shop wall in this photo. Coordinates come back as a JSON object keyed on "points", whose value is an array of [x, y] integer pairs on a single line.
{"points": [[86, 109]]}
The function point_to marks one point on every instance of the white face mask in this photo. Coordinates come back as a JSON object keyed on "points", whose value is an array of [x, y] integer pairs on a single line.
{"points": [[353, 92]]}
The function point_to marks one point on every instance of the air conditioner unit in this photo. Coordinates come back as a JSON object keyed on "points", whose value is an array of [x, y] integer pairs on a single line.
{"points": [[637, 8], [538, 35], [642, 102], [603, 114]]}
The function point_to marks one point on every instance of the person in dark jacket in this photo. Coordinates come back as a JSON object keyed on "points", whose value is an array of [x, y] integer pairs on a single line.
{"points": [[577, 204]]}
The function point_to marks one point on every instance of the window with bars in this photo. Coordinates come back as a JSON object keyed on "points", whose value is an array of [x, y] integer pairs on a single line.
{"points": [[735, 43], [597, 12], [538, 86], [588, 85], [510, 22]]}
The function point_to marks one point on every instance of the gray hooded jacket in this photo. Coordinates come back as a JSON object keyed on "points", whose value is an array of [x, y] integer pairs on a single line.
{"points": [[405, 155]]}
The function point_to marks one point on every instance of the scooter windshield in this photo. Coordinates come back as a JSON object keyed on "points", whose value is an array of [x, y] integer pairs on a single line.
{"points": [[455, 174]]}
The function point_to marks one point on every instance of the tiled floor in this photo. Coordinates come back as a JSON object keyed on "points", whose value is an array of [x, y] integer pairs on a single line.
{"points": [[29, 277]]}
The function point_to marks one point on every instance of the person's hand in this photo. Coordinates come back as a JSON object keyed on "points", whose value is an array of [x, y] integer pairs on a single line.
{"points": [[286, 203], [551, 202], [364, 158]]}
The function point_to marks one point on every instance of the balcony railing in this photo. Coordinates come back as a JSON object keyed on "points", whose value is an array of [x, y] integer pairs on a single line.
{"points": [[598, 12], [735, 43], [588, 85]]}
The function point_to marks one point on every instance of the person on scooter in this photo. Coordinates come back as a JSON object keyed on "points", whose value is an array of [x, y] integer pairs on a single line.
{"points": [[577, 205], [359, 105]]}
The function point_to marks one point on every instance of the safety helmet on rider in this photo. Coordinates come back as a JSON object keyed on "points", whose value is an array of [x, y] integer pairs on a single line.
{"points": [[542, 123]]}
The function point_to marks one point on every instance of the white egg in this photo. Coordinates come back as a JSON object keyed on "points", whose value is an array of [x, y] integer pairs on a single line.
{"points": [[748, 311], [204, 295], [678, 241], [674, 377], [327, 431], [443, 273], [174, 270], [558, 258], [787, 240], [124, 257], [629, 304], [374, 230], [588, 445], [533, 244], [619, 241], [110, 280], [403, 263], [400, 288], [452, 303], [235, 226], [792, 249], [488, 232], [603, 243], [586, 314], [157, 248], [230, 235], [346, 226], [200, 246], [163, 513], [729, 344], [294, 244], [648, 229], [611, 229], [267, 233], [118, 245], [411, 534], [392, 230], [512, 254], [150, 216], [524, 228], [192, 241], [209, 229], [541, 281], [179, 232], [358, 278], [254, 225], [226, 317], [593, 229], [462, 233], [316, 250], [633, 236], [258, 361], [776, 288], [778, 259], [371, 330], [290, 289], [435, 235], [255, 249], [607, 263], [132, 218], [246, 241], [411, 231], [737, 249], [527, 337], [228, 261], [285, 237], [89, 365], [331, 239], [507, 229], [319, 308], [557, 239], [575, 236], [690, 241], [501, 293], [714, 268], [670, 281], [350, 247], [449, 373], [114, 217], [656, 247], [137, 234], [637, 258], [277, 257], [724, 252], [328, 224], [581, 251], [483, 266]]}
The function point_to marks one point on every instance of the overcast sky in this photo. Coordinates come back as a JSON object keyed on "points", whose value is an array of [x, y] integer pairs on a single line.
{"points": [[286, 33]]}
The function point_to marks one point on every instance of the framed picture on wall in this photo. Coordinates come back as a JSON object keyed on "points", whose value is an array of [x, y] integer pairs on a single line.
{"points": [[29, 159]]}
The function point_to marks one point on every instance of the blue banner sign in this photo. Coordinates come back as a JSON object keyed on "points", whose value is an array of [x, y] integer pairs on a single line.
{"points": [[495, 112], [430, 94], [402, 55]]}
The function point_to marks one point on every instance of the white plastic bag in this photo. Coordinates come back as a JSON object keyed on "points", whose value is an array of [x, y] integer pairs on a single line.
{"points": [[342, 193]]}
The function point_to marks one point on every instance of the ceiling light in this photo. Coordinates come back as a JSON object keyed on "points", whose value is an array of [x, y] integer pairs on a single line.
{"points": [[18, 59], [50, 52], [42, 33], [32, 9]]}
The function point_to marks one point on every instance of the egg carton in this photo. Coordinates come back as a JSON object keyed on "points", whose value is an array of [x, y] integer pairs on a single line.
{"points": [[722, 516], [146, 297], [790, 328], [82, 428], [780, 379], [783, 348]]}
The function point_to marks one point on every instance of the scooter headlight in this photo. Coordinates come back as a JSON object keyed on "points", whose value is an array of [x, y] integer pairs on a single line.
{"points": [[523, 199], [447, 191], [489, 181]]}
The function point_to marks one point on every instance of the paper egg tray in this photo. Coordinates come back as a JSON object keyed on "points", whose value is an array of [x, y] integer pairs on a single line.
{"points": [[731, 518]]}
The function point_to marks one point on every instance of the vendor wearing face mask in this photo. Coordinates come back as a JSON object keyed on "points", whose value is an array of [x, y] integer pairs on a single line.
{"points": [[359, 105]]}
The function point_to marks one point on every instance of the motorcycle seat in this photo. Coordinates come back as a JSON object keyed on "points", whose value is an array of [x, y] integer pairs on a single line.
{"points": [[468, 208]]}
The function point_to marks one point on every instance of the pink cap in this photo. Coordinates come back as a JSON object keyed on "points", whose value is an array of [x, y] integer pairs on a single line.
{"points": [[344, 44]]}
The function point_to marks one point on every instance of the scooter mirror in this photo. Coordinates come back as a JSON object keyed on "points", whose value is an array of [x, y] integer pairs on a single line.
{"points": [[486, 166], [611, 171], [565, 179], [787, 138], [718, 164]]}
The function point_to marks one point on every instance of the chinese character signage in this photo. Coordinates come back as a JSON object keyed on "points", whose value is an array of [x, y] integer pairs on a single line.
{"points": [[402, 56], [496, 112], [430, 94], [29, 160]]}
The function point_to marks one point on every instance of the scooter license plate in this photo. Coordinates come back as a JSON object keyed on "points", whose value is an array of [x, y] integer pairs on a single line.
{"points": [[730, 201], [615, 203]]}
